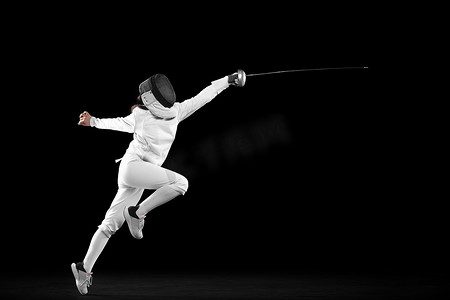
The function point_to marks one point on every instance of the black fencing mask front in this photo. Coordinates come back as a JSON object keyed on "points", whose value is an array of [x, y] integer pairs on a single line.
{"points": [[159, 87]]}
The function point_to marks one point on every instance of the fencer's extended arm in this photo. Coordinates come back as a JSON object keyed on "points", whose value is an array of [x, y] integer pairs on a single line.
{"points": [[188, 107], [125, 124]]}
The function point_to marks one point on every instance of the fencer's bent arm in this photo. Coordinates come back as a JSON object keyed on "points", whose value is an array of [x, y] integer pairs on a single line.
{"points": [[188, 107], [125, 124]]}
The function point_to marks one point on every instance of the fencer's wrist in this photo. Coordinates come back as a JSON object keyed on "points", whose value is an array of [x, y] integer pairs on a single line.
{"points": [[220, 84]]}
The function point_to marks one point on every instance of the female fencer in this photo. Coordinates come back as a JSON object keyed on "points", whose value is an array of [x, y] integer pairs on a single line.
{"points": [[153, 123]]}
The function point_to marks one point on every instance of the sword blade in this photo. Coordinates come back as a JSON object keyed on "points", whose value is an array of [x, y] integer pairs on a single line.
{"points": [[305, 70]]}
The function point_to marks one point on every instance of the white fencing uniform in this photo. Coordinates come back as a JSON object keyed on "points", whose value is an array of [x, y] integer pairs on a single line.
{"points": [[140, 167]]}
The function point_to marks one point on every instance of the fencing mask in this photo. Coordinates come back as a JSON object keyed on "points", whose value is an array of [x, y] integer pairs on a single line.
{"points": [[157, 87]]}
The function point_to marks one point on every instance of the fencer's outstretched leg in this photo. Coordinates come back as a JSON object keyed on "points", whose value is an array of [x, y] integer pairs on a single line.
{"points": [[134, 215], [96, 247]]}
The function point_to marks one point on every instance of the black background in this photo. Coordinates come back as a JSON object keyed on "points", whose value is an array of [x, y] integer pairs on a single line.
{"points": [[294, 171]]}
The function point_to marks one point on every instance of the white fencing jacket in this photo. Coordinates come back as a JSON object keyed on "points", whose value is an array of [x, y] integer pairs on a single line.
{"points": [[153, 137]]}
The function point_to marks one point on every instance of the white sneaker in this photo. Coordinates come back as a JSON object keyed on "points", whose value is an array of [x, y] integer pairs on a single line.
{"points": [[135, 225], [83, 279]]}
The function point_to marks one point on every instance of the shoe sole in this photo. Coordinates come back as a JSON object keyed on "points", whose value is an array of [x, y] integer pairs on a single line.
{"points": [[128, 220], [75, 274]]}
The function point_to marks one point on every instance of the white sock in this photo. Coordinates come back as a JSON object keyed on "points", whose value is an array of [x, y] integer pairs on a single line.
{"points": [[160, 196], [98, 242]]}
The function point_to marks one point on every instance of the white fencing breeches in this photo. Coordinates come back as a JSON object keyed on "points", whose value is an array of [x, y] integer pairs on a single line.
{"points": [[134, 177]]}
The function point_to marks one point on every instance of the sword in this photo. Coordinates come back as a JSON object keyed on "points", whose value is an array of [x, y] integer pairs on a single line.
{"points": [[240, 77]]}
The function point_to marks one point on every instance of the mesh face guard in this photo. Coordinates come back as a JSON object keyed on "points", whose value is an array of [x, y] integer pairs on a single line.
{"points": [[160, 88]]}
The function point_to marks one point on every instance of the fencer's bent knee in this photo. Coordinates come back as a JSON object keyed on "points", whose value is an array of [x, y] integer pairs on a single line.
{"points": [[184, 184], [181, 184]]}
